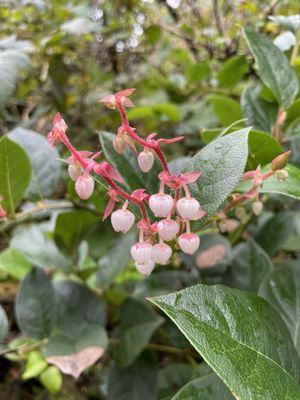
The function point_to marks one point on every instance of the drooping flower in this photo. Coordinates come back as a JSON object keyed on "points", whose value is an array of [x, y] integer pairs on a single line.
{"points": [[146, 160], [84, 186], [122, 220], [189, 242], [59, 127], [161, 204], [161, 253], [188, 207], [146, 268], [110, 101], [167, 229], [141, 252]]}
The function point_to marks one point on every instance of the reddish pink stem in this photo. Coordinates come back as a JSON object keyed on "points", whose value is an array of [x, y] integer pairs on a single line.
{"points": [[152, 145]]}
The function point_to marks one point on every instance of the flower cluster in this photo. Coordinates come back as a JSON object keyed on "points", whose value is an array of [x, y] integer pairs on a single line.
{"points": [[173, 205]]}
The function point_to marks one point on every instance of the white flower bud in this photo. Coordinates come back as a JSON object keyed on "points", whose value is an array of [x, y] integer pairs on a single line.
{"points": [[161, 253], [145, 268], [189, 242], [161, 204], [257, 207], [84, 186], [146, 160], [188, 208], [119, 144], [167, 229], [75, 171], [122, 220], [141, 252]]}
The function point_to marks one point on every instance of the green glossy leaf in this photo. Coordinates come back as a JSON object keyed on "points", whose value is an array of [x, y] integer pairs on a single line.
{"points": [[275, 232], [208, 387], [273, 67], [232, 71], [71, 226], [240, 336], [3, 324], [46, 169], [35, 305], [293, 111], [137, 324], [260, 114], [172, 377], [15, 172], [263, 148], [226, 109], [222, 163], [34, 242], [14, 263], [139, 381], [281, 288], [250, 264], [114, 261], [128, 167]]}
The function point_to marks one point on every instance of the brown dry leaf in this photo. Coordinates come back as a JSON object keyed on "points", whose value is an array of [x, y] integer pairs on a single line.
{"points": [[75, 364], [210, 257]]}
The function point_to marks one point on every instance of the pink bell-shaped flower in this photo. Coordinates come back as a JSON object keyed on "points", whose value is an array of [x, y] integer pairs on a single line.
{"points": [[119, 144], [146, 268], [141, 252], [189, 242], [75, 171], [167, 229], [188, 207], [122, 220], [161, 252], [161, 204], [146, 160], [84, 186]]}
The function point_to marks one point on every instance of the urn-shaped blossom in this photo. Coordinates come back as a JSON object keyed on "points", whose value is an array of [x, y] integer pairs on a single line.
{"points": [[189, 242], [161, 252], [84, 186], [161, 204], [146, 160], [188, 207], [122, 220], [145, 268], [167, 229], [141, 252]]}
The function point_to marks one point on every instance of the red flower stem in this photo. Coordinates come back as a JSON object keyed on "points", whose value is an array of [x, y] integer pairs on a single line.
{"points": [[150, 144], [72, 149]]}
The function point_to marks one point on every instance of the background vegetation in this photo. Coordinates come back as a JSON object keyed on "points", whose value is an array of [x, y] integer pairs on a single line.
{"points": [[81, 309]]}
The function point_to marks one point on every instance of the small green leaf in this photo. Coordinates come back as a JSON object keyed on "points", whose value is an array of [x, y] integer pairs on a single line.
{"points": [[263, 148], [227, 327], [273, 67], [46, 169], [233, 70], [35, 305], [226, 109], [35, 364], [14, 263], [259, 113], [51, 379], [222, 163], [137, 324], [281, 288], [15, 172], [172, 378], [208, 387], [196, 73]]}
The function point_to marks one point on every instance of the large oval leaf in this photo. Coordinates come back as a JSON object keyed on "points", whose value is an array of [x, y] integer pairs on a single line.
{"points": [[46, 168], [35, 305], [273, 67], [281, 288], [222, 163], [241, 337], [15, 172]]}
